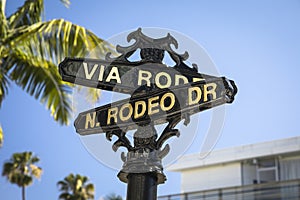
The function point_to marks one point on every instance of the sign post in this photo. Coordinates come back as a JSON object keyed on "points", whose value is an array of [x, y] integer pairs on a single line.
{"points": [[159, 94]]}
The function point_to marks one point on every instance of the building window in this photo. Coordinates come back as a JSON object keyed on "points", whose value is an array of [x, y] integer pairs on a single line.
{"points": [[267, 170], [290, 168]]}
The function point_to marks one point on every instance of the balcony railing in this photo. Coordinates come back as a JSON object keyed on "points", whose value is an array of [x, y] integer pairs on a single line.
{"points": [[280, 190]]}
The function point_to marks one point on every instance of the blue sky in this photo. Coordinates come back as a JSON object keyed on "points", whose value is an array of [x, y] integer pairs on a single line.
{"points": [[255, 43]]}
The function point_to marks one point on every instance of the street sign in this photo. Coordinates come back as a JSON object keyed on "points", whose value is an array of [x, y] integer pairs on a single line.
{"points": [[157, 107], [125, 77], [159, 94]]}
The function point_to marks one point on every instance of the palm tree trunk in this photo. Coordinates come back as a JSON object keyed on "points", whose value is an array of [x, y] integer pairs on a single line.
{"points": [[23, 192]]}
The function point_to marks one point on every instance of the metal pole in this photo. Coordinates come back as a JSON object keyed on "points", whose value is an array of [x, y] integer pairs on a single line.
{"points": [[142, 169], [142, 186]]}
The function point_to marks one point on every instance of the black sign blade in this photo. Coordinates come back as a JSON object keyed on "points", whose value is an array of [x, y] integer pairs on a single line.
{"points": [[156, 107], [125, 77]]}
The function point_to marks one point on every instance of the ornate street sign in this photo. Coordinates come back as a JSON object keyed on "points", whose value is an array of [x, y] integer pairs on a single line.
{"points": [[159, 94]]}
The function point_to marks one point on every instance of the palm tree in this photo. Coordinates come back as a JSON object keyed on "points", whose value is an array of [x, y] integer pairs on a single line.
{"points": [[75, 187], [113, 197], [31, 49], [21, 170]]}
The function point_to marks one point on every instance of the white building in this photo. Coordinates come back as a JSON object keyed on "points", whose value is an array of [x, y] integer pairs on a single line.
{"points": [[269, 170]]}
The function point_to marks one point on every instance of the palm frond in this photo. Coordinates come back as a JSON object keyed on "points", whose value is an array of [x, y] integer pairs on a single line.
{"points": [[113, 196], [3, 25], [65, 196], [4, 83], [36, 171], [7, 168], [90, 189], [27, 14], [93, 95], [20, 169], [75, 187], [35, 159], [67, 3], [41, 80], [63, 186], [57, 39], [35, 53]]}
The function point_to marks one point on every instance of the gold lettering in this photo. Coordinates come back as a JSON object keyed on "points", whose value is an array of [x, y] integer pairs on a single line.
{"points": [[138, 114], [210, 89], [144, 76], [112, 113], [157, 78], [130, 110], [178, 77], [100, 77], [162, 101], [152, 105], [89, 75], [194, 90], [113, 74], [195, 79], [90, 120]]}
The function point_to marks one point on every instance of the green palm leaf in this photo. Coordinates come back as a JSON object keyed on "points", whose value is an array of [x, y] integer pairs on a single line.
{"points": [[113, 196], [67, 3], [56, 39], [65, 196], [75, 187], [30, 51], [29, 13], [20, 169], [35, 54], [90, 189], [43, 83], [4, 83], [4, 24]]}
